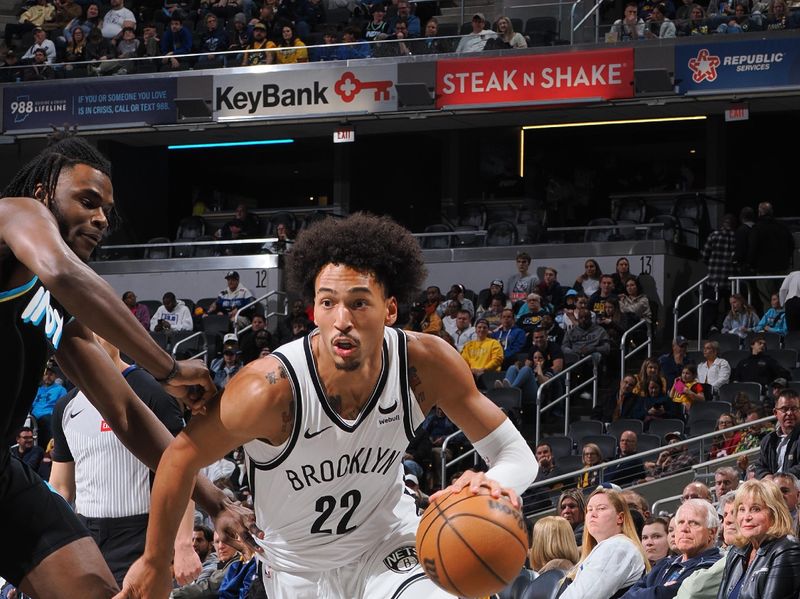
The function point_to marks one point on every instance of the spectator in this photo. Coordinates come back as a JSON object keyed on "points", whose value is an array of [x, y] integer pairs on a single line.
{"points": [[172, 315], [550, 290], [629, 472], [66, 11], [658, 404], [484, 353], [553, 544], [766, 560], [530, 314], [377, 25], [214, 39], [88, 20], [404, 13], [203, 545], [76, 52], [284, 329], [697, 23], [150, 42], [630, 27], [741, 319], [572, 507], [659, 26], [511, 337], [775, 388], [759, 367], [394, 44], [634, 303], [40, 42], [589, 281], [696, 490], [650, 370], [209, 587], [223, 369], [450, 316], [696, 529], [672, 363], [553, 356], [140, 311], [240, 37], [176, 41], [354, 48], [539, 499], [433, 299], [257, 52], [495, 291], [597, 302], [774, 319], [11, 71], [586, 339], [780, 451], [675, 458], [230, 300], [475, 41], [464, 331], [713, 371], [115, 19], [49, 392], [293, 50], [726, 444], [326, 51], [506, 38], [788, 484], [566, 317], [718, 255], [495, 311], [26, 451], [613, 322], [770, 243], [755, 433], [32, 18], [726, 479], [628, 403], [429, 44], [622, 274], [687, 390], [654, 539], [591, 456], [554, 333], [528, 378], [312, 16], [456, 294], [612, 557], [790, 299], [637, 503], [778, 18], [438, 427], [39, 70]]}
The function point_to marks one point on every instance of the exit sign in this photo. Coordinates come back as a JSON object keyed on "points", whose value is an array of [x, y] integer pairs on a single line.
{"points": [[737, 112], [344, 135]]}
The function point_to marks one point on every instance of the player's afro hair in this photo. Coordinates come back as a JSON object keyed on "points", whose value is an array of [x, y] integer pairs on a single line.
{"points": [[367, 243]]}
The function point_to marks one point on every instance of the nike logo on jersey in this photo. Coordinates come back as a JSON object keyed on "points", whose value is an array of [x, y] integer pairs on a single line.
{"points": [[73, 414], [309, 435], [37, 309], [388, 410]]}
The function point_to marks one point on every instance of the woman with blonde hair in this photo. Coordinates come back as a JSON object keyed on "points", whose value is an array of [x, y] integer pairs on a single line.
{"points": [[592, 455], [506, 36], [612, 556], [554, 546], [765, 563], [650, 369]]}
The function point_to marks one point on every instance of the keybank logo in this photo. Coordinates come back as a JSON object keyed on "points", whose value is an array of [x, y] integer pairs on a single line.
{"points": [[39, 309]]}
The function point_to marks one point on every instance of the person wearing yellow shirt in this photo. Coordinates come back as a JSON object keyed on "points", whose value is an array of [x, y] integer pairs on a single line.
{"points": [[484, 353], [34, 17], [260, 42], [292, 49]]}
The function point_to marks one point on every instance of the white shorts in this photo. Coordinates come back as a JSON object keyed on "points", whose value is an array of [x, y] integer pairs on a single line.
{"points": [[389, 571]]}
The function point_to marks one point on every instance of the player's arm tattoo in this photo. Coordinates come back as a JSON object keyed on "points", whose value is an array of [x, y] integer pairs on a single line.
{"points": [[274, 376], [287, 417], [416, 384]]}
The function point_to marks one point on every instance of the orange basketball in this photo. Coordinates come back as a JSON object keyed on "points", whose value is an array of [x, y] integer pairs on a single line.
{"points": [[472, 545]]}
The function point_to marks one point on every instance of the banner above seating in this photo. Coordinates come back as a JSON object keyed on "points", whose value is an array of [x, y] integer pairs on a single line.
{"points": [[88, 103], [714, 68], [534, 79], [305, 92]]}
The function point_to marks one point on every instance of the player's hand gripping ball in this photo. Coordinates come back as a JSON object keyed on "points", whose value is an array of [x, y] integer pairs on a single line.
{"points": [[472, 545]]}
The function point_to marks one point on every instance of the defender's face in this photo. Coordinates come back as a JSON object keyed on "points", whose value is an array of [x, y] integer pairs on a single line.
{"points": [[351, 310], [81, 204]]}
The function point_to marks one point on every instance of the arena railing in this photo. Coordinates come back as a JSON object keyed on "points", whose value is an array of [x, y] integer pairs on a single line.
{"points": [[267, 315], [566, 375], [647, 343], [104, 252], [594, 11], [653, 453], [186, 339], [736, 283], [677, 318]]}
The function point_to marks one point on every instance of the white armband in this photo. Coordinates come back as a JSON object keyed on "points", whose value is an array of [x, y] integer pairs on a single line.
{"points": [[511, 461]]}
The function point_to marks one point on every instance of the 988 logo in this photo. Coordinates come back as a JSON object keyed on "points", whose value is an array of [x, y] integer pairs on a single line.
{"points": [[21, 108]]}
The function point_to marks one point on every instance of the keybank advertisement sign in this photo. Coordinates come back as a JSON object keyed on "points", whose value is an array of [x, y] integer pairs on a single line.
{"points": [[305, 92], [737, 65], [88, 103]]}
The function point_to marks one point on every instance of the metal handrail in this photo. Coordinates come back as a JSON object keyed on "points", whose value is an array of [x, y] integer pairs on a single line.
{"points": [[736, 283], [148, 246], [697, 308], [445, 464], [662, 501], [647, 343], [253, 303], [567, 375], [571, 475], [184, 340], [595, 10]]}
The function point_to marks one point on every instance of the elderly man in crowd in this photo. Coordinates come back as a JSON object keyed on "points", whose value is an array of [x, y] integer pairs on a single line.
{"points": [[726, 479], [630, 472], [788, 485], [696, 525], [696, 490], [780, 450]]}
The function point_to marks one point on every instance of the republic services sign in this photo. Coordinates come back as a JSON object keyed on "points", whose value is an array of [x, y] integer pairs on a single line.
{"points": [[535, 79], [305, 92]]}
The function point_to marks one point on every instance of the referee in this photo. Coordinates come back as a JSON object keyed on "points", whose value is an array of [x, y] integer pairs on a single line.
{"points": [[110, 488]]}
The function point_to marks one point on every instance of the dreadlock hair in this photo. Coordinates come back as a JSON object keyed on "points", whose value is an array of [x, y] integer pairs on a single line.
{"points": [[364, 242], [46, 168]]}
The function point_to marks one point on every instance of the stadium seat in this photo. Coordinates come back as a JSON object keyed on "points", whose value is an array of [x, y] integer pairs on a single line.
{"points": [[792, 340], [581, 428], [152, 306], [439, 241], [665, 425], [501, 233], [729, 391], [595, 235], [160, 253], [669, 231], [785, 357], [542, 31], [204, 251], [630, 210], [702, 427], [569, 463], [616, 428], [727, 342], [473, 214], [707, 410], [467, 238], [545, 586], [561, 446], [488, 378], [508, 399], [606, 443], [160, 338], [773, 340], [735, 356], [646, 442]]}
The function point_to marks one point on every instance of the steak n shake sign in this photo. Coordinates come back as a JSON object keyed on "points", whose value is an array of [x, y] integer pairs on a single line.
{"points": [[305, 92], [546, 79]]}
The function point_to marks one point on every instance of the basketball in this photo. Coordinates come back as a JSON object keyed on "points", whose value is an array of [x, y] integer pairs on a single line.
{"points": [[472, 545]]}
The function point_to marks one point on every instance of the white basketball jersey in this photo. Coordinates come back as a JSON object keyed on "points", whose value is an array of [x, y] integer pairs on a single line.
{"points": [[334, 488]]}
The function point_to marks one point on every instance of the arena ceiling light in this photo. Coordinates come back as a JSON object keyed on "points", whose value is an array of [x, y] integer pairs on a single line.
{"points": [[620, 122], [231, 144]]}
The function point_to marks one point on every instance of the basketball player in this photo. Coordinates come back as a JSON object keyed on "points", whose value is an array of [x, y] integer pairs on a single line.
{"points": [[325, 421], [52, 216]]}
